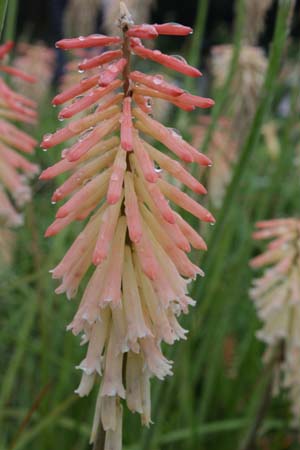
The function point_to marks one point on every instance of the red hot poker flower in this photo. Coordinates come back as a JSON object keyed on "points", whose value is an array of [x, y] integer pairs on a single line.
{"points": [[14, 168], [134, 238]]}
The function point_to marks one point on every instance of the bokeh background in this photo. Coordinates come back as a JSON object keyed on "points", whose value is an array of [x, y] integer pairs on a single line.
{"points": [[220, 395]]}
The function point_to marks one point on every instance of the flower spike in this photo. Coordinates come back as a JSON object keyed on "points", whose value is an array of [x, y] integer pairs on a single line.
{"points": [[276, 295], [15, 170], [135, 239]]}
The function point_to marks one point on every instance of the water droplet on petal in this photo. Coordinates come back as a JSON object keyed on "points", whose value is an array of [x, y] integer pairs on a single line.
{"points": [[80, 71], [47, 137], [53, 106], [157, 168], [174, 132], [53, 203], [64, 153], [180, 58], [61, 119], [81, 38], [158, 79], [85, 134]]}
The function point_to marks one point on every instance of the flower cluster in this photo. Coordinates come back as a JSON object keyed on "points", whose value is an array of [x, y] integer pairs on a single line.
{"points": [[39, 59], [137, 242], [14, 168], [277, 298], [222, 149], [247, 81]]}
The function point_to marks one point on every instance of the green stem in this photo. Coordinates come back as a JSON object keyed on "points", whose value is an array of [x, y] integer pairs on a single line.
{"points": [[11, 20], [3, 10], [10, 376]]}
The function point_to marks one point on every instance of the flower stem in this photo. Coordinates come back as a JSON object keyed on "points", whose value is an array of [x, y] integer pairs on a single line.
{"points": [[249, 442], [3, 10], [11, 20]]}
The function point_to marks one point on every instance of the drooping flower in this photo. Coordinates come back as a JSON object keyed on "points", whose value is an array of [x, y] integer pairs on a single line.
{"points": [[277, 299], [135, 239], [15, 170]]}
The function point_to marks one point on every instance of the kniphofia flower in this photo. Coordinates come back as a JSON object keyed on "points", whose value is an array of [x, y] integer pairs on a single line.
{"points": [[277, 298], [246, 84], [38, 59], [135, 239], [14, 168], [222, 149]]}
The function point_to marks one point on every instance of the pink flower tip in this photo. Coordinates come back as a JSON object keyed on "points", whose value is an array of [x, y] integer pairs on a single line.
{"points": [[210, 218], [49, 232], [43, 175]]}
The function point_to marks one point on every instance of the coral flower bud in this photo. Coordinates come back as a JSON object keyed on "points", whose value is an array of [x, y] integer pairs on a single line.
{"points": [[126, 126], [175, 29], [142, 31], [94, 40]]}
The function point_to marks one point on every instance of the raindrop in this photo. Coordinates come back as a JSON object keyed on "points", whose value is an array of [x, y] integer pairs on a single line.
{"points": [[53, 203], [64, 153], [212, 224], [61, 119], [47, 137], [80, 71], [174, 132], [79, 97], [180, 58], [54, 106], [44, 149], [158, 79], [81, 38], [209, 165], [157, 52], [157, 168], [85, 134]]}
